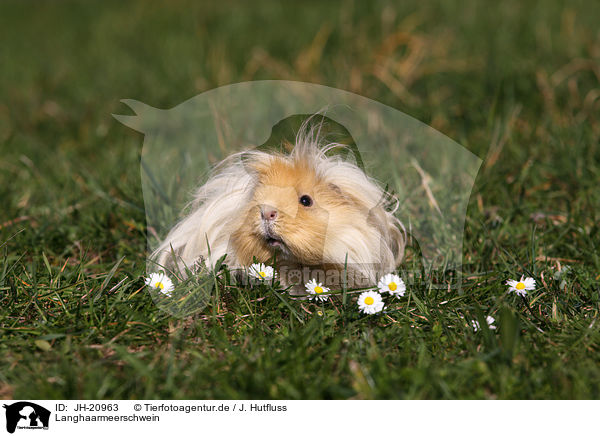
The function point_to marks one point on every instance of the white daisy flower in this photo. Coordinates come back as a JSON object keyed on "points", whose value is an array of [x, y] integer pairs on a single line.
{"points": [[370, 302], [393, 284], [520, 287], [316, 290], [262, 272], [160, 282], [490, 321]]}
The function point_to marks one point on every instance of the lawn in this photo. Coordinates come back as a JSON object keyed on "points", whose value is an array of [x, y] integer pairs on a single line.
{"points": [[515, 82]]}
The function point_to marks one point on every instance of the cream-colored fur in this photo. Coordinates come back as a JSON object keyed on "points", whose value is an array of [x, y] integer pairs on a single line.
{"points": [[346, 228]]}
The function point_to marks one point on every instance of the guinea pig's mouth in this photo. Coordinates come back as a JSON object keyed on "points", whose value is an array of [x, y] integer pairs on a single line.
{"points": [[277, 244], [274, 241]]}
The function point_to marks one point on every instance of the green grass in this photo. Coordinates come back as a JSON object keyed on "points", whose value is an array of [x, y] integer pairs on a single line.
{"points": [[515, 82]]}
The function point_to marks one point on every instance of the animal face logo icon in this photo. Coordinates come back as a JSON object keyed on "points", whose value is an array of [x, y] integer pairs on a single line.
{"points": [[26, 415]]}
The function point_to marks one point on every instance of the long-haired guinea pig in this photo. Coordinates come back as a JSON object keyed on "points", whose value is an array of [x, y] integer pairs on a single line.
{"points": [[312, 214]]}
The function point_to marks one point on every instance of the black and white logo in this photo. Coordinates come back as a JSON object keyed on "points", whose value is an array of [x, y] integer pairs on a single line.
{"points": [[26, 415]]}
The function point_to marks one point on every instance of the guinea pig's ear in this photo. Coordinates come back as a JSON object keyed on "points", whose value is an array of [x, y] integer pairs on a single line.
{"points": [[341, 196], [253, 162], [335, 188]]}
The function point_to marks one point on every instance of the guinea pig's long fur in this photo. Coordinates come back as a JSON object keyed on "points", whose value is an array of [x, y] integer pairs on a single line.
{"points": [[254, 206]]}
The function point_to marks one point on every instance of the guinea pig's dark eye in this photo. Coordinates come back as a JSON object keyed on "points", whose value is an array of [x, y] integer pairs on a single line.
{"points": [[306, 201]]}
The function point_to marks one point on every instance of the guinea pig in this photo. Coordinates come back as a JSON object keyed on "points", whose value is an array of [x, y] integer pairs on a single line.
{"points": [[312, 213]]}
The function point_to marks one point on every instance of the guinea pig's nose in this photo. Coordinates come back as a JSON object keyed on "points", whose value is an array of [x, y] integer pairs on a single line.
{"points": [[268, 213]]}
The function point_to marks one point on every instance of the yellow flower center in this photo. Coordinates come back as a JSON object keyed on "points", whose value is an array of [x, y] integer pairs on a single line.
{"points": [[160, 286], [520, 286], [262, 274], [318, 290], [392, 286], [369, 301]]}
